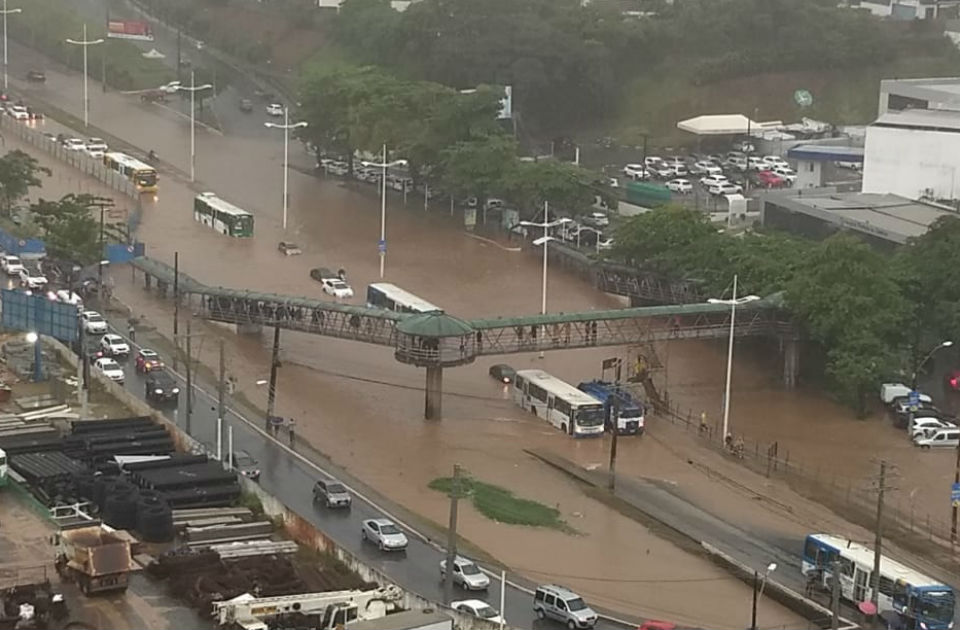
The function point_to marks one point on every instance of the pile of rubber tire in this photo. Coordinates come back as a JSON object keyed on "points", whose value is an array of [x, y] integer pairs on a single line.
{"points": [[124, 506], [154, 517]]}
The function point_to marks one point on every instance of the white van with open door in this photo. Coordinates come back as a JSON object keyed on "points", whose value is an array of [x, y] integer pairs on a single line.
{"points": [[930, 438]]}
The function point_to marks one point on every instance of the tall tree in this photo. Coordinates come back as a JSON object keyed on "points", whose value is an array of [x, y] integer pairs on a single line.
{"points": [[71, 227], [566, 187], [477, 167], [19, 172]]}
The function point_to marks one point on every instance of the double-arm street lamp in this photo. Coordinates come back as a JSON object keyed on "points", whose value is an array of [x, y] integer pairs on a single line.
{"points": [[286, 126], [193, 88], [733, 302], [383, 166], [7, 12], [85, 43], [544, 241]]}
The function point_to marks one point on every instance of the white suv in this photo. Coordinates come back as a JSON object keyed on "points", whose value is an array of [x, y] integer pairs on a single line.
{"points": [[114, 346], [337, 288], [11, 264], [32, 278], [95, 148], [93, 322]]}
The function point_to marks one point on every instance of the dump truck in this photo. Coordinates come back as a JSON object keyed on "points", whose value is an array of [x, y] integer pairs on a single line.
{"points": [[94, 557]]}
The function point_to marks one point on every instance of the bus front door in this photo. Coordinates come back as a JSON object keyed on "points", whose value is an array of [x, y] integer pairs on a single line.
{"points": [[860, 580]]}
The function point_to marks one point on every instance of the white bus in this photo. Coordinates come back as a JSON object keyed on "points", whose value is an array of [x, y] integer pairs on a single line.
{"points": [[3, 468], [393, 298], [143, 176], [921, 601], [222, 216], [561, 404]]}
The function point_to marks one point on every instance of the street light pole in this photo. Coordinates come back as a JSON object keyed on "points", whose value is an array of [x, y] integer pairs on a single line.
{"points": [[546, 243], [383, 166], [733, 302], [916, 372], [758, 585], [286, 126], [193, 89], [85, 43], [6, 12]]}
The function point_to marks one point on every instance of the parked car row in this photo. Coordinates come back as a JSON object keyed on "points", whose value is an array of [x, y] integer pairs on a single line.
{"points": [[21, 112], [366, 172], [768, 171], [926, 425]]}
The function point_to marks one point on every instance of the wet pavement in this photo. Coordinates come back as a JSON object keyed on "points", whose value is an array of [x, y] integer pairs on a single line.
{"points": [[363, 409]]}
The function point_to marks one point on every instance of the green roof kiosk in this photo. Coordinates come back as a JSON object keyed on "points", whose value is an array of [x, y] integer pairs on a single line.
{"points": [[434, 341]]}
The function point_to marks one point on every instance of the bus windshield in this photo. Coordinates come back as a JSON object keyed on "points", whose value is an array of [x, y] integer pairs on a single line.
{"points": [[590, 416], [630, 413], [244, 226], [936, 606], [146, 178]]}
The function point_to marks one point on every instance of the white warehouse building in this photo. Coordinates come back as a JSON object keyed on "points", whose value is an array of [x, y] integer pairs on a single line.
{"points": [[913, 148]]}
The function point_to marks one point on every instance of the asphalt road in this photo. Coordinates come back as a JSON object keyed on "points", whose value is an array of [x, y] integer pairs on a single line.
{"points": [[291, 479]]}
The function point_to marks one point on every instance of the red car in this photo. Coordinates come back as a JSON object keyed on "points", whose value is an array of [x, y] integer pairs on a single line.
{"points": [[770, 179], [148, 360]]}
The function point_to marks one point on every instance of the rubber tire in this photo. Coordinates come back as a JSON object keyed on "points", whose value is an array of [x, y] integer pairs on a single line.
{"points": [[540, 614], [363, 534], [571, 625], [380, 545]]}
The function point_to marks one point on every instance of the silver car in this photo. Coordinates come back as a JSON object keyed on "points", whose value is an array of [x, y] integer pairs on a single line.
{"points": [[466, 574], [384, 534]]}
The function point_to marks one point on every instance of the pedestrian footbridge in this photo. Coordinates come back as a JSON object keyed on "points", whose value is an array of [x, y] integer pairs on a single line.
{"points": [[437, 340]]}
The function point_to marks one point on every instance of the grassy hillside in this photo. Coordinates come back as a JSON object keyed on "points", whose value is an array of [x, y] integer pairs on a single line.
{"points": [[655, 103]]}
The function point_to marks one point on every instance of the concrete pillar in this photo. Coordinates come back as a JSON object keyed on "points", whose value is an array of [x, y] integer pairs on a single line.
{"points": [[791, 362], [162, 288], [433, 407], [146, 281]]}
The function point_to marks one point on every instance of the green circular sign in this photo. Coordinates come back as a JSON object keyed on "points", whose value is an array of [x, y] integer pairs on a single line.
{"points": [[803, 98]]}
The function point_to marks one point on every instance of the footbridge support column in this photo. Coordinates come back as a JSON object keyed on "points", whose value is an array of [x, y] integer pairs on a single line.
{"points": [[433, 400], [791, 362]]}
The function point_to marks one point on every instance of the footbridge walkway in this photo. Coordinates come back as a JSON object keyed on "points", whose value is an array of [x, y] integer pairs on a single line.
{"points": [[437, 340]]}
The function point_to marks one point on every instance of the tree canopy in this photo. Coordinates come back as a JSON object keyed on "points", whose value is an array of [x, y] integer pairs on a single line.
{"points": [[19, 172], [69, 229]]}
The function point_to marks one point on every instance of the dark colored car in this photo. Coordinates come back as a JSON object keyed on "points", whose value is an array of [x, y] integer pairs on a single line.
{"points": [[246, 105], [161, 387], [36, 75], [332, 493], [246, 465], [503, 373], [321, 273]]}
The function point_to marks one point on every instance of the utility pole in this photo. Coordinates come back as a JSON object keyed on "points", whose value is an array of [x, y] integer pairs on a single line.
{"points": [[189, 379], [176, 306], [100, 259], [274, 364], [220, 390], [451, 535], [956, 503], [756, 589], [878, 540], [615, 428], [835, 595], [179, 56]]}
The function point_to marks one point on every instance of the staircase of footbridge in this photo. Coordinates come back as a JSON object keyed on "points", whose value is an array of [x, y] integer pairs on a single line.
{"points": [[437, 340]]}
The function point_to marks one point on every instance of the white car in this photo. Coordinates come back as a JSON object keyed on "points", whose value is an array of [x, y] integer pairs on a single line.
{"points": [[275, 109], [95, 148], [744, 145], [706, 168], [114, 346], [93, 322], [477, 608], [74, 144], [11, 264], [786, 173], [713, 180], [739, 163], [337, 288], [680, 186], [605, 245], [32, 278], [598, 219], [652, 160], [69, 297], [170, 88], [466, 574], [675, 160], [726, 188], [636, 171], [775, 160], [384, 534], [920, 425], [109, 368], [18, 112], [757, 164]]}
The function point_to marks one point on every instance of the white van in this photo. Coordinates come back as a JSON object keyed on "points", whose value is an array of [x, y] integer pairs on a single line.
{"points": [[560, 604], [949, 437]]}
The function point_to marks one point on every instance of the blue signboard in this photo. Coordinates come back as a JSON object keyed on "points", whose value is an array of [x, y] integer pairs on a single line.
{"points": [[913, 398], [955, 495], [37, 313], [382, 246]]}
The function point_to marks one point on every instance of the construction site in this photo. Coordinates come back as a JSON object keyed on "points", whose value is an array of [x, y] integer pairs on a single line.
{"points": [[105, 522]]}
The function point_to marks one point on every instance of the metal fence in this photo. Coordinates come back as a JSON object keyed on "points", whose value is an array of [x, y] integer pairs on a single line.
{"points": [[854, 499], [78, 159]]}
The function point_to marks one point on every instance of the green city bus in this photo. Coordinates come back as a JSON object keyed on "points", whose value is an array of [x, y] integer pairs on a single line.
{"points": [[222, 216]]}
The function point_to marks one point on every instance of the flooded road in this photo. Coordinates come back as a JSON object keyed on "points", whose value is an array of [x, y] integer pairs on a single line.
{"points": [[356, 404]]}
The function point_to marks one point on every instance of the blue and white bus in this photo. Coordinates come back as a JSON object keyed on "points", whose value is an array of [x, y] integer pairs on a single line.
{"points": [[561, 404], [922, 602], [630, 420], [393, 298]]}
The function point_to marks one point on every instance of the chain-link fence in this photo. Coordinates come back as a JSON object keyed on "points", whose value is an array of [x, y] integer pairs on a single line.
{"points": [[854, 499], [50, 144]]}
